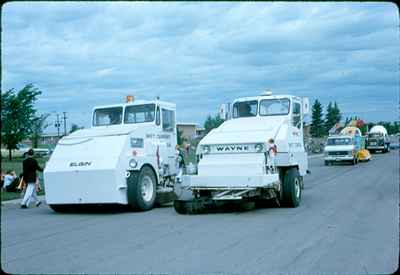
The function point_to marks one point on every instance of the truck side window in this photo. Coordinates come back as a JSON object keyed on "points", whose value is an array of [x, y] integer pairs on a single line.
{"points": [[296, 115], [168, 120], [158, 116]]}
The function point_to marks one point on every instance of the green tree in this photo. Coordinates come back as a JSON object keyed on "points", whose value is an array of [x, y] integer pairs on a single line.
{"points": [[212, 122], [38, 126], [74, 127], [180, 138], [330, 117], [317, 129], [17, 115], [336, 112]]}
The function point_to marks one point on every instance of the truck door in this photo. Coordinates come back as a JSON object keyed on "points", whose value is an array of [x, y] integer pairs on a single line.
{"points": [[168, 138], [298, 124]]}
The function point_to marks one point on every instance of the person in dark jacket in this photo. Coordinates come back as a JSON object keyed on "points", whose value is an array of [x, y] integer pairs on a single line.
{"points": [[29, 168]]}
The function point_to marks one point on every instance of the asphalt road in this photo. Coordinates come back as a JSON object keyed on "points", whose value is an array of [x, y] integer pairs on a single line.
{"points": [[348, 222]]}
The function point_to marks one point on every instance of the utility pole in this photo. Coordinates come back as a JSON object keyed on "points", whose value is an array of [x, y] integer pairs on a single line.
{"points": [[65, 123], [57, 125]]}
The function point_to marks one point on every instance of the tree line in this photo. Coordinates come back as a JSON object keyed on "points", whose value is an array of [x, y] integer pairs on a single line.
{"points": [[320, 126]]}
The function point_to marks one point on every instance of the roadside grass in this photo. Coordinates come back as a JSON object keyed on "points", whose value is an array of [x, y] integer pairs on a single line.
{"points": [[16, 165]]}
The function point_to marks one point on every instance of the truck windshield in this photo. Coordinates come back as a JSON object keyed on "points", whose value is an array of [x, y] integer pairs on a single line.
{"points": [[274, 107], [245, 108], [339, 141], [107, 116], [139, 113]]}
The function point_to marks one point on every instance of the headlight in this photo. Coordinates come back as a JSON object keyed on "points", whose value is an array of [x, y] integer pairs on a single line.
{"points": [[259, 147], [133, 163], [206, 149], [136, 142]]}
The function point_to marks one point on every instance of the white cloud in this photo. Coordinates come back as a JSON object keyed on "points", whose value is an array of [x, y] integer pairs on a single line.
{"points": [[198, 54]]}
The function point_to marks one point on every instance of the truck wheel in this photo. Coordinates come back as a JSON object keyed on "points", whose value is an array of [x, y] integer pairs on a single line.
{"points": [[142, 190], [291, 188], [386, 150], [326, 163]]}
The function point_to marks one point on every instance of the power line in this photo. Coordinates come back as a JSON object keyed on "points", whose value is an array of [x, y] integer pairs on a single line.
{"points": [[65, 123], [57, 125]]}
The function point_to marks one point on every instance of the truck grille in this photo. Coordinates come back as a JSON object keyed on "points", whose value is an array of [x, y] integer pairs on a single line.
{"points": [[338, 153]]}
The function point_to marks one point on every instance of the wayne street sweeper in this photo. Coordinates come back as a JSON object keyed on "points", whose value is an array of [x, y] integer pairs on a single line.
{"points": [[257, 153]]}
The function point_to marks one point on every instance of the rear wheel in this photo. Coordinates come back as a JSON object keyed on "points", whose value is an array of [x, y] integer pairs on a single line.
{"points": [[291, 188], [326, 163], [142, 190]]}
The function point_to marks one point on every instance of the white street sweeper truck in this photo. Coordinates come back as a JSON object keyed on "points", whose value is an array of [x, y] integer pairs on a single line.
{"points": [[126, 157], [256, 154]]}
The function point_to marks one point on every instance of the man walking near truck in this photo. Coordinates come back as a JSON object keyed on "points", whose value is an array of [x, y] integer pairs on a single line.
{"points": [[29, 168]]}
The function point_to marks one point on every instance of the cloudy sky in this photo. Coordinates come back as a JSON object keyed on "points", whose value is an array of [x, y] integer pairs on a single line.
{"points": [[200, 55]]}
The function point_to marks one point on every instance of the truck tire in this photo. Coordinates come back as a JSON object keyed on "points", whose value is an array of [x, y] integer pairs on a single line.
{"points": [[326, 163], [291, 188], [142, 189]]}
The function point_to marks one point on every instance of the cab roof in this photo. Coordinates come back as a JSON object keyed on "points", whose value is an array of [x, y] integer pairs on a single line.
{"points": [[139, 102], [259, 97]]}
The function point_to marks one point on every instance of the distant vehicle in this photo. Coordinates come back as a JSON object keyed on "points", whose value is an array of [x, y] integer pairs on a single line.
{"points": [[343, 147], [378, 140], [22, 151]]}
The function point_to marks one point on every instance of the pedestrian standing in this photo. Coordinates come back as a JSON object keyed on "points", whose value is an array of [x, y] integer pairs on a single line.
{"points": [[29, 168], [180, 164]]}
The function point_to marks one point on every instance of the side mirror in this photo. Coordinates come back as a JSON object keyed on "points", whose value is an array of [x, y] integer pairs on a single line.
{"points": [[223, 112], [306, 106]]}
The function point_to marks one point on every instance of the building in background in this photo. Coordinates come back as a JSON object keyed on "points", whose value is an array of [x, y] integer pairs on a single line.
{"points": [[49, 139], [188, 130]]}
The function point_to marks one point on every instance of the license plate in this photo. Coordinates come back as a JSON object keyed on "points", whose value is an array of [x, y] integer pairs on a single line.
{"points": [[373, 143]]}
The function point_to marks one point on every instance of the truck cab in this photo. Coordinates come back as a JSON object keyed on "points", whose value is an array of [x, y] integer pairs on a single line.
{"points": [[127, 156], [378, 139], [235, 160]]}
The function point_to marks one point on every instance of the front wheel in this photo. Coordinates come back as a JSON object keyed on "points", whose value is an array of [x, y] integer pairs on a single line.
{"points": [[142, 190], [291, 188]]}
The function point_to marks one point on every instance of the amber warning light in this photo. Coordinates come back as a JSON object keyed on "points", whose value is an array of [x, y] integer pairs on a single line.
{"points": [[130, 98]]}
